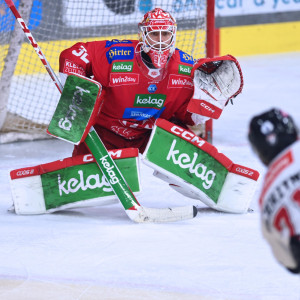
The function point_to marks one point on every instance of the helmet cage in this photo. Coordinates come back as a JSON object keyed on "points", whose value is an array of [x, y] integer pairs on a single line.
{"points": [[161, 44], [162, 26]]}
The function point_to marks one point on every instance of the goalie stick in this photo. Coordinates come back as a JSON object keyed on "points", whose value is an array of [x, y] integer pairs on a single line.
{"points": [[134, 210]]}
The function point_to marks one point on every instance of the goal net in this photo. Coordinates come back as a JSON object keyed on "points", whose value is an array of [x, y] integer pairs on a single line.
{"points": [[28, 96]]}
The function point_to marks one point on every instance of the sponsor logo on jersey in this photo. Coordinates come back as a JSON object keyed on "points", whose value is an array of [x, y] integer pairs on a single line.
{"points": [[141, 114], [186, 58], [146, 100], [119, 53], [152, 88], [178, 81], [185, 70], [122, 66], [70, 67], [115, 42], [123, 79]]}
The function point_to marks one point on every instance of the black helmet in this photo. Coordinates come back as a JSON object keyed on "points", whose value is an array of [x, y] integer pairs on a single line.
{"points": [[270, 133]]}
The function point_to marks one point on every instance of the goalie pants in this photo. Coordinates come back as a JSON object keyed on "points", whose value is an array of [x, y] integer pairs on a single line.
{"points": [[114, 141]]}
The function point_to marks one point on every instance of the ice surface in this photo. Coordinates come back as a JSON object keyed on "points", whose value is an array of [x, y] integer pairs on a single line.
{"points": [[99, 253]]}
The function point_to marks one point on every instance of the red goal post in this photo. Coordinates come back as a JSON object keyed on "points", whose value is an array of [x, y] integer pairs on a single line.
{"points": [[28, 98]]}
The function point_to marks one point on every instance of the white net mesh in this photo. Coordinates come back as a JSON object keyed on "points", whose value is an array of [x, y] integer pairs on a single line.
{"points": [[28, 96]]}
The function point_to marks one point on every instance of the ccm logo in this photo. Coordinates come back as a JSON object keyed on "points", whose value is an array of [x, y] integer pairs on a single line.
{"points": [[244, 171], [207, 107], [25, 172]]}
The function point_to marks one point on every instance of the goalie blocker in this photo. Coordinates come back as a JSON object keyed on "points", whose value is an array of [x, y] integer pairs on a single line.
{"points": [[73, 182], [196, 169]]}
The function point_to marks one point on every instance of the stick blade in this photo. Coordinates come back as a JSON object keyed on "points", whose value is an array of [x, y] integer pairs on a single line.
{"points": [[162, 215]]}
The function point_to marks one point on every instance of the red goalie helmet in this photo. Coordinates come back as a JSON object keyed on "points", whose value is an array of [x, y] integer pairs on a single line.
{"points": [[157, 36]]}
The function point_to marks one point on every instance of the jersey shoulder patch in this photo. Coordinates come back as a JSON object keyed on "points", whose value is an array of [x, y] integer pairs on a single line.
{"points": [[184, 57]]}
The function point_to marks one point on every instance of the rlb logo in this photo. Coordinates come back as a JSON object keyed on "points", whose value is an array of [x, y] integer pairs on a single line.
{"points": [[122, 66], [145, 100]]}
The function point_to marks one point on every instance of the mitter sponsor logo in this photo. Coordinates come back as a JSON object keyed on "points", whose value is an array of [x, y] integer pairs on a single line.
{"points": [[122, 66], [146, 100]]}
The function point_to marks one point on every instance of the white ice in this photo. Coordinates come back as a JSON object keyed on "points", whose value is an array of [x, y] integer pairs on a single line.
{"points": [[99, 253]]}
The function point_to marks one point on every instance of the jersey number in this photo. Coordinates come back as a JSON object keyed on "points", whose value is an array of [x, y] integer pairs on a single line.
{"points": [[282, 220], [82, 54]]}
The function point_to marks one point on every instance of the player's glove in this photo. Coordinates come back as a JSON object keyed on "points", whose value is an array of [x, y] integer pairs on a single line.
{"points": [[216, 81]]}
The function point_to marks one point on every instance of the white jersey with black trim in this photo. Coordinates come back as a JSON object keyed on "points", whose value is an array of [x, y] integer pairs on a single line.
{"points": [[280, 203]]}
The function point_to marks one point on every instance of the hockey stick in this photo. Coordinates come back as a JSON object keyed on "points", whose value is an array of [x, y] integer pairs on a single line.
{"points": [[134, 210]]}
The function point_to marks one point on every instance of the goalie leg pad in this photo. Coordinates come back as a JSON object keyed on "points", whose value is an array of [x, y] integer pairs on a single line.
{"points": [[70, 183], [197, 170]]}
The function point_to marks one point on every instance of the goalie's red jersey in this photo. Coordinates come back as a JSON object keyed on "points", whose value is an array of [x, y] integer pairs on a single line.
{"points": [[133, 100]]}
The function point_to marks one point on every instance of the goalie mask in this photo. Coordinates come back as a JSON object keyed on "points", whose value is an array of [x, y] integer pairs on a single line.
{"points": [[270, 133], [157, 36]]}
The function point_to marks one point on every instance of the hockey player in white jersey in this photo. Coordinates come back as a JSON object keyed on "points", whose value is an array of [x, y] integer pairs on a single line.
{"points": [[274, 137]]}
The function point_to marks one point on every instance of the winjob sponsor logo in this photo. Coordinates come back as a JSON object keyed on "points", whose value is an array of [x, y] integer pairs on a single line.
{"points": [[123, 79], [178, 81]]}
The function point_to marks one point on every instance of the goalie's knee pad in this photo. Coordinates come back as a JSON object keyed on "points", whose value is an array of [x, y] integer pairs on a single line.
{"points": [[70, 183], [197, 170]]}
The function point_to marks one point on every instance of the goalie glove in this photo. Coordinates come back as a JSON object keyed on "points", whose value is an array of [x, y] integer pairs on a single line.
{"points": [[216, 81]]}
